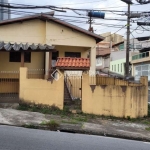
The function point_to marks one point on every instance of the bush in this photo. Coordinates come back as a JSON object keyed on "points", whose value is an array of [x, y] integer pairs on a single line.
{"points": [[149, 110], [52, 125]]}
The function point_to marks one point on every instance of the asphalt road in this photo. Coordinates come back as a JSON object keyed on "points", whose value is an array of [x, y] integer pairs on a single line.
{"points": [[14, 138]]}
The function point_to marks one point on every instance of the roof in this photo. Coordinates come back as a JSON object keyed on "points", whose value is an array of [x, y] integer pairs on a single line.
{"points": [[143, 38], [47, 17], [117, 43], [145, 49], [73, 63], [26, 47], [102, 51], [103, 44]]}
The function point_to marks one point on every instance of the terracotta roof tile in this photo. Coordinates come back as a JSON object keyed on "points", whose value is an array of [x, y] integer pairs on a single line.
{"points": [[73, 63]]}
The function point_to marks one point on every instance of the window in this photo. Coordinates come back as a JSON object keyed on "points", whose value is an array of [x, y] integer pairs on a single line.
{"points": [[73, 54], [112, 67], [121, 67], [115, 68], [118, 67], [99, 61], [16, 57]]}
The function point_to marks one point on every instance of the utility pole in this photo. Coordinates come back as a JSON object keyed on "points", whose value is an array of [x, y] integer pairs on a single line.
{"points": [[90, 27], [96, 14], [128, 2], [128, 42]]}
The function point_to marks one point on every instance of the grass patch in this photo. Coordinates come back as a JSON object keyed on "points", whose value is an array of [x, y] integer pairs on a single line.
{"points": [[148, 129], [31, 126], [52, 124], [44, 109], [149, 110], [70, 121], [146, 122], [80, 119]]}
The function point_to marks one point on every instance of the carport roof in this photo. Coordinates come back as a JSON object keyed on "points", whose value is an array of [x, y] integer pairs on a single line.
{"points": [[68, 63], [24, 47]]}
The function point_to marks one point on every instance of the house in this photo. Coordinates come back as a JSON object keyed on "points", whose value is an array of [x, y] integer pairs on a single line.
{"points": [[112, 37], [118, 56], [35, 43], [103, 51], [141, 61]]}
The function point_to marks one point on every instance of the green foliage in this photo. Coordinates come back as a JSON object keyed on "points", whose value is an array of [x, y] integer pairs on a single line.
{"points": [[80, 118], [31, 126], [128, 117], [70, 121], [148, 129], [149, 110], [52, 124]]}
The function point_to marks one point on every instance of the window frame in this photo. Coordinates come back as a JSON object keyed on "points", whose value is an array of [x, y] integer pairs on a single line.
{"points": [[17, 58]]}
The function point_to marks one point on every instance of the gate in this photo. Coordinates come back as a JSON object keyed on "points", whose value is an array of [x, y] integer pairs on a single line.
{"points": [[9, 86], [72, 87]]}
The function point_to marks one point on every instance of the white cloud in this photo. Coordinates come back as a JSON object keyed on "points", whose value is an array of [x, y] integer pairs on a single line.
{"points": [[96, 4]]}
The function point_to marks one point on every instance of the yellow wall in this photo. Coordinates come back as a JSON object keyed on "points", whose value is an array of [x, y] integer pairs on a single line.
{"points": [[37, 62], [115, 100], [37, 31], [63, 49], [40, 91], [57, 34], [32, 31]]}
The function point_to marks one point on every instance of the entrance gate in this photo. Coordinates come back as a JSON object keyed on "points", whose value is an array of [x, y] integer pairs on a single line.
{"points": [[9, 86], [72, 87]]}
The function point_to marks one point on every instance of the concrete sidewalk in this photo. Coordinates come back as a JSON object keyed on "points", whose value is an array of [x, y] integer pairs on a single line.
{"points": [[104, 127]]}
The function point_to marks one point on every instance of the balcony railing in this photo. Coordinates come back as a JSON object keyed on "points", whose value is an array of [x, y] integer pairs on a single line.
{"points": [[140, 56]]}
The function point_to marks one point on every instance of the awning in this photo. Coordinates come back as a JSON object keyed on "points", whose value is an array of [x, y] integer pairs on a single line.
{"points": [[25, 47], [69, 63]]}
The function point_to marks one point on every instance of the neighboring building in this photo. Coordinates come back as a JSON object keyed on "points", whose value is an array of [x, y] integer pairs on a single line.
{"points": [[103, 56], [141, 64], [4, 12], [141, 61], [112, 37], [118, 58]]}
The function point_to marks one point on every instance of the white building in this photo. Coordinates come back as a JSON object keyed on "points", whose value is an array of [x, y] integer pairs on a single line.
{"points": [[4, 12]]}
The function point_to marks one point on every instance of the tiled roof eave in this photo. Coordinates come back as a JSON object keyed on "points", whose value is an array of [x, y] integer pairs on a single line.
{"points": [[69, 63], [24, 47]]}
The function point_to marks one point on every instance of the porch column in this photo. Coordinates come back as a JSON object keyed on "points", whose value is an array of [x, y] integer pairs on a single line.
{"points": [[48, 64], [22, 59], [93, 61]]}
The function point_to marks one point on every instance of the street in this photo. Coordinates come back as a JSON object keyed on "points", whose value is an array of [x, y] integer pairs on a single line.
{"points": [[15, 138]]}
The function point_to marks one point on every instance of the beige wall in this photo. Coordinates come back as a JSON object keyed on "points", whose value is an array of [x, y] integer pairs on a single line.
{"points": [[37, 62], [63, 49], [40, 91], [28, 31], [60, 35], [57, 34], [118, 100]]}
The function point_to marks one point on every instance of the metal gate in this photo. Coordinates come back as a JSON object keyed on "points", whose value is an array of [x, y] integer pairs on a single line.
{"points": [[9, 86], [73, 87]]}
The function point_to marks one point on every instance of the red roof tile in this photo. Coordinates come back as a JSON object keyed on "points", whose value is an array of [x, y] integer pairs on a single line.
{"points": [[73, 63]]}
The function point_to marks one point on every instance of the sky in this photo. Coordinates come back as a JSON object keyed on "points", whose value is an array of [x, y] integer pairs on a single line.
{"points": [[99, 24]]}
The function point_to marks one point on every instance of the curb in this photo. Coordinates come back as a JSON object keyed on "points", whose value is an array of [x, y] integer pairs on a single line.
{"points": [[63, 128]]}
